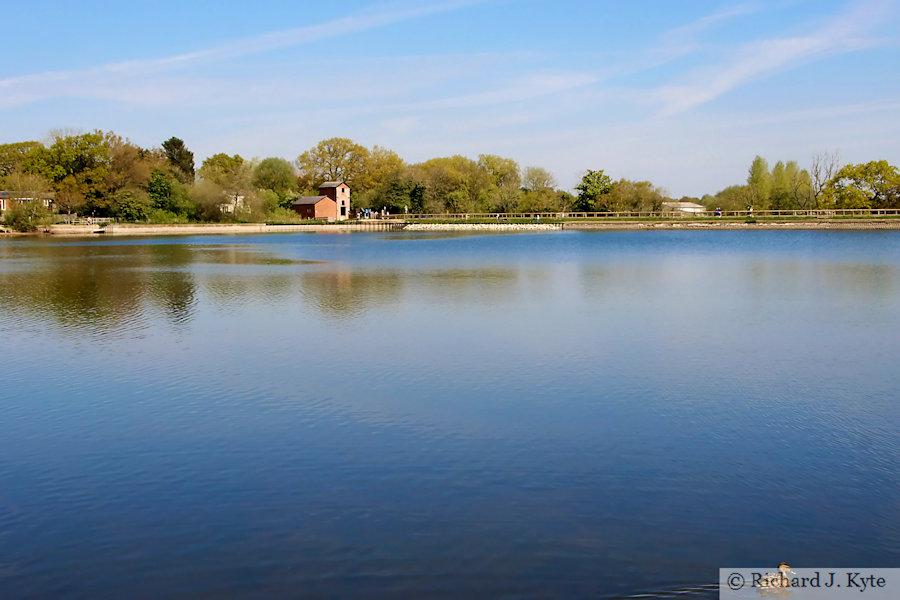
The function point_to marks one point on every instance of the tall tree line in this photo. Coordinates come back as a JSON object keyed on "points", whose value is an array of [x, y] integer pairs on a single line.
{"points": [[105, 175], [826, 184]]}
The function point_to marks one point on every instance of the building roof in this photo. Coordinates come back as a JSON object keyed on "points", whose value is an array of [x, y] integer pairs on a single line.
{"points": [[309, 200], [684, 205], [331, 184]]}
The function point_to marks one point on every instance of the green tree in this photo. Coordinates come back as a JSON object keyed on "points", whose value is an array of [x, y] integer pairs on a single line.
{"points": [[78, 167], [636, 196], [130, 205], [225, 171], [129, 165], [867, 185], [28, 185], [12, 156], [169, 198], [399, 192], [453, 184], [275, 174], [565, 201], [379, 166], [502, 172], [536, 178], [759, 181], [781, 196], [543, 199], [823, 169], [592, 192], [799, 184], [209, 199], [180, 159], [27, 215], [334, 159], [734, 197]]}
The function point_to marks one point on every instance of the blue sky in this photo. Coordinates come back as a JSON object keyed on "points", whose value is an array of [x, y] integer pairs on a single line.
{"points": [[683, 94]]}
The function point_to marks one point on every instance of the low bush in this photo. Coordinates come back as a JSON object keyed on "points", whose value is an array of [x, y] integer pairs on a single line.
{"points": [[27, 216]]}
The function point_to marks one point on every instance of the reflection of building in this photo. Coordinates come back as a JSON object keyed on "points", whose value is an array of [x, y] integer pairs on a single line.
{"points": [[683, 207], [332, 203]]}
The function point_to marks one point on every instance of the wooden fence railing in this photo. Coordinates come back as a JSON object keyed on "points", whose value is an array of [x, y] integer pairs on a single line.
{"points": [[707, 214]]}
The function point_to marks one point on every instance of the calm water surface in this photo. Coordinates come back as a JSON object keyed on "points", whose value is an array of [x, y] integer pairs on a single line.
{"points": [[555, 415]]}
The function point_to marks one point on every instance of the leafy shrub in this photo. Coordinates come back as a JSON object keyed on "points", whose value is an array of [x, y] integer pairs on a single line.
{"points": [[165, 217], [27, 216]]}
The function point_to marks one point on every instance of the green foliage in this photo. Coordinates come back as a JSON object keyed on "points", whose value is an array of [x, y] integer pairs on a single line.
{"points": [[503, 172], [447, 183], [284, 215], [801, 184], [565, 200], [223, 170], [27, 185], [208, 198], [159, 189], [780, 195], [170, 195], [27, 215], [635, 196], [269, 202], [734, 197], [398, 192], [335, 159], [874, 184], [542, 199], [180, 159], [275, 174], [129, 166], [104, 174], [77, 165], [536, 178], [759, 182], [164, 217], [131, 205], [379, 166], [592, 190], [12, 156]]}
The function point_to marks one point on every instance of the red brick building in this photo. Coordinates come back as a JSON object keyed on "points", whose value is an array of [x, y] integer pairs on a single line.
{"points": [[332, 203]]}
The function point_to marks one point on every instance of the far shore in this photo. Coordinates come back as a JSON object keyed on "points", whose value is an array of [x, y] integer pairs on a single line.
{"points": [[118, 230]]}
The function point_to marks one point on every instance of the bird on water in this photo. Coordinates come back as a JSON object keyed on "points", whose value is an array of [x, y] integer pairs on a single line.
{"points": [[779, 580]]}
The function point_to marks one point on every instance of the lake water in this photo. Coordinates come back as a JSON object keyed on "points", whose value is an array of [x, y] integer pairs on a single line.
{"points": [[551, 415]]}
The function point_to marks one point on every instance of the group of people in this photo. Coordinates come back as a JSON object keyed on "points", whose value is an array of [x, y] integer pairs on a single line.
{"points": [[368, 213]]}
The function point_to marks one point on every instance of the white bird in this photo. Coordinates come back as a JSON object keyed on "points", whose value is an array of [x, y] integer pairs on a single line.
{"points": [[777, 580]]}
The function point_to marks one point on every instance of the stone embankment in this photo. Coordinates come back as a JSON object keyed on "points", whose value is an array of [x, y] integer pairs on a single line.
{"points": [[820, 224], [216, 229], [483, 227], [399, 225]]}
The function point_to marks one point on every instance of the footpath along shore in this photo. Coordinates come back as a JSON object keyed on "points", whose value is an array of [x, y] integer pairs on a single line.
{"points": [[117, 230]]}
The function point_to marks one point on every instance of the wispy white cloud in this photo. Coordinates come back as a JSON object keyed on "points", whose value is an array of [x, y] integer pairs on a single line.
{"points": [[531, 86], [683, 39], [754, 60], [29, 88]]}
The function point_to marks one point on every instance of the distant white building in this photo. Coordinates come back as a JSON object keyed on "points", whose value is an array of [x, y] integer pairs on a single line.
{"points": [[234, 203], [683, 207]]}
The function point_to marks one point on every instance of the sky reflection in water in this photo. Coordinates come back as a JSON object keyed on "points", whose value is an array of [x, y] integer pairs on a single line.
{"points": [[547, 415]]}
